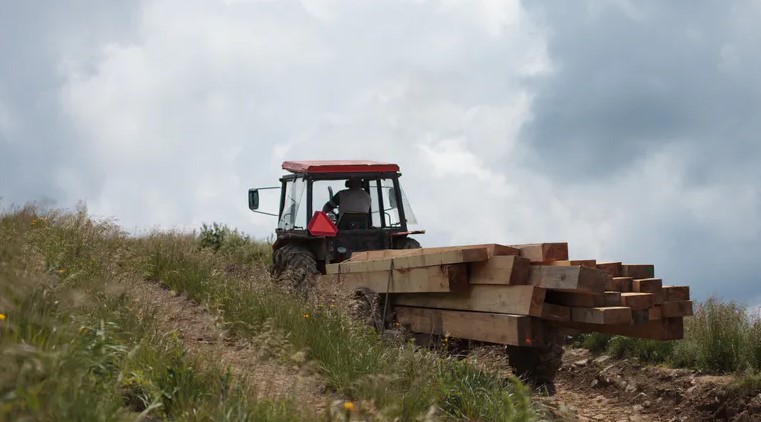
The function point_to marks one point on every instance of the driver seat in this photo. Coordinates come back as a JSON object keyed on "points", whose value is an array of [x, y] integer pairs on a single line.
{"points": [[353, 221]]}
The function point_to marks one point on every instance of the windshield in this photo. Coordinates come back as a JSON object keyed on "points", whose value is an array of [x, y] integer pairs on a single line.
{"points": [[384, 211]]}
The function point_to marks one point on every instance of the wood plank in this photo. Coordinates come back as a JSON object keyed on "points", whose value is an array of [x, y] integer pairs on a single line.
{"points": [[679, 308], [604, 315], [554, 312], [620, 284], [443, 278], [568, 278], [640, 316], [456, 256], [519, 300], [612, 298], [492, 249], [661, 329], [655, 313], [638, 270], [649, 285], [514, 330], [544, 252], [637, 301], [674, 293], [589, 263], [612, 268], [512, 270], [575, 298], [375, 255]]}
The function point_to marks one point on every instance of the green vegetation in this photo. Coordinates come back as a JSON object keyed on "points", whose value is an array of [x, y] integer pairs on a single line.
{"points": [[76, 347], [722, 337]]}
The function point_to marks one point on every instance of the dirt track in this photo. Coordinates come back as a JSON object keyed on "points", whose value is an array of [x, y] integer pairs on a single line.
{"points": [[205, 340]]}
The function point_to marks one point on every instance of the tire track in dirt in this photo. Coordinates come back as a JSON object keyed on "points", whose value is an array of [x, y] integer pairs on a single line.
{"points": [[204, 339]]}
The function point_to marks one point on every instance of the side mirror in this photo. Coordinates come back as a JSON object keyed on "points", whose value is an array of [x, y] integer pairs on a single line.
{"points": [[392, 198], [253, 199]]}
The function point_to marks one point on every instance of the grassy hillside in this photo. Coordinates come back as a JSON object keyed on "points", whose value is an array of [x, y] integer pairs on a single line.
{"points": [[76, 347]]}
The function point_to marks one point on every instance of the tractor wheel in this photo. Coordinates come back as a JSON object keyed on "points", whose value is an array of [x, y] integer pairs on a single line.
{"points": [[537, 366], [294, 264], [407, 243], [366, 307]]}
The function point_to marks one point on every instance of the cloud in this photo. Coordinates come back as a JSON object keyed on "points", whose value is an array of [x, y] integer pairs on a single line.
{"points": [[628, 129]]}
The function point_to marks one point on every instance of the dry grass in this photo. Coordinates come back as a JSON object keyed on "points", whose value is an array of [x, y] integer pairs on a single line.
{"points": [[77, 347]]}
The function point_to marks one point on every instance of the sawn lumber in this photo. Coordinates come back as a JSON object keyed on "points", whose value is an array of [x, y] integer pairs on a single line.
{"points": [[513, 330], [569, 278], [519, 300], [544, 252], [440, 278], [455, 256], [512, 270]]}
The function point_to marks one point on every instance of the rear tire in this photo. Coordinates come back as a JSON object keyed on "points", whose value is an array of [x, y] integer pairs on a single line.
{"points": [[407, 243], [537, 366], [293, 264]]}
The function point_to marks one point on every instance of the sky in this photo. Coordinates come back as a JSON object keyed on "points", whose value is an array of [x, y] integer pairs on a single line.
{"points": [[630, 130]]}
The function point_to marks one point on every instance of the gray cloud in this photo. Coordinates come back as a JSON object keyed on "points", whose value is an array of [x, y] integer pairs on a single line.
{"points": [[626, 129]]}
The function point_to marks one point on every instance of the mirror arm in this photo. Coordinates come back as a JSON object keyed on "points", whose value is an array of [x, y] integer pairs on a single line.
{"points": [[265, 213]]}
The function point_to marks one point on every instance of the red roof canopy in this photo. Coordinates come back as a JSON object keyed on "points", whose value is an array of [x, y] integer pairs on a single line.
{"points": [[339, 166]]}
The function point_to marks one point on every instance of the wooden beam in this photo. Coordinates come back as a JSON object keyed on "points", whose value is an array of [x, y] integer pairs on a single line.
{"points": [[512, 270], [640, 316], [544, 252], [655, 313], [490, 327], [661, 329], [638, 270], [674, 293], [612, 268], [576, 298], [492, 249], [556, 312], [649, 285], [568, 278], [637, 301], [589, 263], [440, 278], [415, 260], [613, 315], [679, 308], [612, 298], [519, 300], [620, 284]]}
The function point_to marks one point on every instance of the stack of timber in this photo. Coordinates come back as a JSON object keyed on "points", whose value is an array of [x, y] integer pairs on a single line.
{"points": [[510, 294]]}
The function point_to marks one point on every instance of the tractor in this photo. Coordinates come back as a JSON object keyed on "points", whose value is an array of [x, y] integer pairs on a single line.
{"points": [[308, 238]]}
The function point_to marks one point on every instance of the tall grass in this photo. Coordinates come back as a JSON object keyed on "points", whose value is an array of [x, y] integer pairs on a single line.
{"points": [[399, 380], [74, 348]]}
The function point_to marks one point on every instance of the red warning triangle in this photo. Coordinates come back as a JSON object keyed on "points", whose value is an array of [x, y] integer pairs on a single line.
{"points": [[320, 225]]}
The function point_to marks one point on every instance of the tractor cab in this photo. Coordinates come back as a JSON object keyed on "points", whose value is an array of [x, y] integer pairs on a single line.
{"points": [[333, 235]]}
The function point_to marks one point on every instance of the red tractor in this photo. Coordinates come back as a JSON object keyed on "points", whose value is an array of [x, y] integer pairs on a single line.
{"points": [[308, 238]]}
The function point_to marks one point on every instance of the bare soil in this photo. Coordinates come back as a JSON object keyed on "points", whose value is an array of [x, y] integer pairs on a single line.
{"points": [[205, 340], [607, 389]]}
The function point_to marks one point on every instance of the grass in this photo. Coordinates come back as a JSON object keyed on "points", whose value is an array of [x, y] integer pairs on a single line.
{"points": [[75, 347], [398, 380]]}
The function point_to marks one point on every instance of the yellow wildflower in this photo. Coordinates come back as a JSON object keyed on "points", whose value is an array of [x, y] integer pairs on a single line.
{"points": [[2, 317], [306, 316], [60, 271], [348, 406], [83, 330]]}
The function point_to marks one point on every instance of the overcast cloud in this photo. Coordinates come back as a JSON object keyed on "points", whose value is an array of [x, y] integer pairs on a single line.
{"points": [[629, 129]]}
